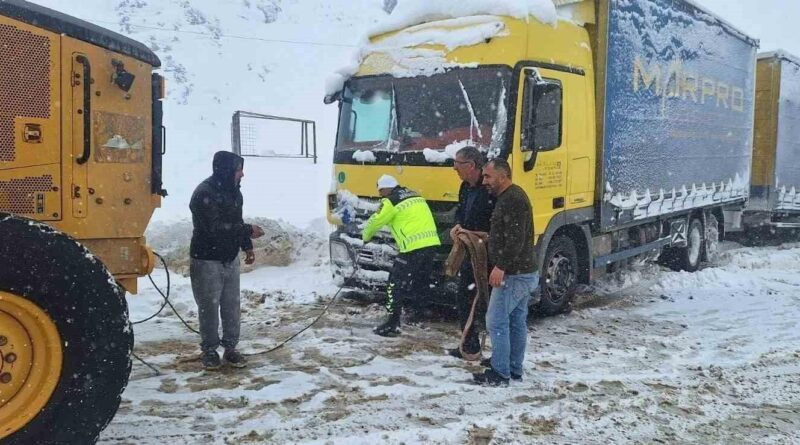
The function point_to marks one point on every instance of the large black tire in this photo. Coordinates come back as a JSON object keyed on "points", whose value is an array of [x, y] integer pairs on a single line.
{"points": [[88, 307], [559, 278], [687, 258]]}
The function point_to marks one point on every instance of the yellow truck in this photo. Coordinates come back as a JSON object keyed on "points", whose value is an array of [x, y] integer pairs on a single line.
{"points": [[775, 187], [628, 123], [81, 144]]}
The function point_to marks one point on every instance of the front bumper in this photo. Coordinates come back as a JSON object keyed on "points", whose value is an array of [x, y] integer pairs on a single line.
{"points": [[364, 267]]}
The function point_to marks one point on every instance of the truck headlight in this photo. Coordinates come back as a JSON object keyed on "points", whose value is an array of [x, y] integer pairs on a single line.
{"points": [[340, 253]]}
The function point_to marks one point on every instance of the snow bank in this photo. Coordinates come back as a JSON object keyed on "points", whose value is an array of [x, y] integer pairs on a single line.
{"points": [[282, 244]]}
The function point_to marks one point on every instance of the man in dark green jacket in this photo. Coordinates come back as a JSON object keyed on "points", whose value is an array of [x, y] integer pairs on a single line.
{"points": [[410, 220], [513, 279]]}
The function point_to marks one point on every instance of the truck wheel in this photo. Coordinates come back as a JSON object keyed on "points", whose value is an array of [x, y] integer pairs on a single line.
{"points": [[559, 276], [65, 338], [686, 258]]}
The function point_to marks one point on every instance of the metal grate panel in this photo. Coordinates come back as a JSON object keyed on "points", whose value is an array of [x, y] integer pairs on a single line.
{"points": [[262, 135], [19, 195], [24, 82]]}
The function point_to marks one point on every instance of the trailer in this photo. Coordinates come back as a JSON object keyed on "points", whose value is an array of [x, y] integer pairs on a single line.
{"points": [[775, 189]]}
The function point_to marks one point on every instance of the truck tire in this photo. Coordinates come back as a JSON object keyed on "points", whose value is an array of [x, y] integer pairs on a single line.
{"points": [[687, 258], [58, 302], [559, 278]]}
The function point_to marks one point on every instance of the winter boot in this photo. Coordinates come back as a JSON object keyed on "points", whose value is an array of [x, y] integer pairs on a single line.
{"points": [[210, 360], [234, 358], [490, 377], [487, 363], [390, 326]]}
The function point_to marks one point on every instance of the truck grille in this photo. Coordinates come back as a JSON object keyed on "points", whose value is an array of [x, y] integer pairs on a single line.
{"points": [[366, 256]]}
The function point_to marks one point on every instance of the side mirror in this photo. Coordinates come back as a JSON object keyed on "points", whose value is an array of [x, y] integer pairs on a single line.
{"points": [[529, 160], [331, 98]]}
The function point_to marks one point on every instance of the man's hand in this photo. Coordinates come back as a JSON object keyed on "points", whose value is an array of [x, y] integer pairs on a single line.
{"points": [[454, 231], [496, 277], [258, 232], [251, 256]]}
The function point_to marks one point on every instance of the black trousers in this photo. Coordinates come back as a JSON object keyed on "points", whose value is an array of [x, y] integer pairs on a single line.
{"points": [[409, 279], [467, 289]]}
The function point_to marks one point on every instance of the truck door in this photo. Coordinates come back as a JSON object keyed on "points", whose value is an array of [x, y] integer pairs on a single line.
{"points": [[541, 162]]}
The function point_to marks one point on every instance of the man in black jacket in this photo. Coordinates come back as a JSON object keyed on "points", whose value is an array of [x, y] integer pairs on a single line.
{"points": [[219, 234], [474, 212]]}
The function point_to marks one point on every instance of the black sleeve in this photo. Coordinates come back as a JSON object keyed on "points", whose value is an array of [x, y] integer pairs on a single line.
{"points": [[484, 221], [246, 243], [246, 229], [460, 207], [208, 217]]}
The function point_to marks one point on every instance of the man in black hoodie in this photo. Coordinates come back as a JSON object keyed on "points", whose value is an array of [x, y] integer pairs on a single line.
{"points": [[219, 233]]}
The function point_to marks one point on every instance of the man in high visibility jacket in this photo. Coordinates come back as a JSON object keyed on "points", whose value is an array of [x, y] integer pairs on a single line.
{"points": [[410, 220]]}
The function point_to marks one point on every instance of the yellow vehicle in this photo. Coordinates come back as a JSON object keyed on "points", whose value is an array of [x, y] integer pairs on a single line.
{"points": [[775, 188], [628, 123], [81, 144]]}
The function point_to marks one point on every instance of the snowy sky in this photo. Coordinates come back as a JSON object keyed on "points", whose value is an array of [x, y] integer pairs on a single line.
{"points": [[770, 21]]}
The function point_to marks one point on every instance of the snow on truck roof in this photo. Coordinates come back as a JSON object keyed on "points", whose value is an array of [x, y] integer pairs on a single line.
{"points": [[464, 23], [414, 12], [724, 23], [448, 24]]}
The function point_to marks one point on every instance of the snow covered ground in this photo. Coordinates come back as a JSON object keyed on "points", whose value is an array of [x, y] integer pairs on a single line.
{"points": [[648, 355]]}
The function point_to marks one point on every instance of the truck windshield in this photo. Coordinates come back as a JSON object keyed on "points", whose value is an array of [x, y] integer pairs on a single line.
{"points": [[440, 113]]}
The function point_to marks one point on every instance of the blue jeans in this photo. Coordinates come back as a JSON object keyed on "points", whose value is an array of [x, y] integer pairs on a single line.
{"points": [[506, 321]]}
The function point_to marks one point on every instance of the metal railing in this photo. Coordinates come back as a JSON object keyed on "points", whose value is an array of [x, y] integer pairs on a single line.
{"points": [[245, 138]]}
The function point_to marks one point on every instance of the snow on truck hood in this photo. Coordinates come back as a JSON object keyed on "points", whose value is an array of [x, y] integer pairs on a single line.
{"points": [[450, 25]]}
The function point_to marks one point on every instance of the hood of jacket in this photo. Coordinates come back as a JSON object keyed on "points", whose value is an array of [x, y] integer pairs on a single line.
{"points": [[225, 165]]}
